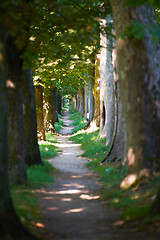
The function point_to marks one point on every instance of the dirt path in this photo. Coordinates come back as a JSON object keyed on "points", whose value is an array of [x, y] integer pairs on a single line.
{"points": [[71, 206]]}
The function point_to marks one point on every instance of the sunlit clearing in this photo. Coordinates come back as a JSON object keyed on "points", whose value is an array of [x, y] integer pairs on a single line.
{"points": [[66, 199], [89, 197], [76, 210], [128, 181], [39, 225], [10, 84]]}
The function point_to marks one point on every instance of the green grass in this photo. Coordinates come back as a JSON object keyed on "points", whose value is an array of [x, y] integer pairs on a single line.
{"points": [[47, 147], [25, 202], [93, 146], [133, 203], [78, 121], [58, 125]]}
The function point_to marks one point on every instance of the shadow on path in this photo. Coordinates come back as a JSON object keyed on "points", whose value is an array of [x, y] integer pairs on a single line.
{"points": [[71, 207]]}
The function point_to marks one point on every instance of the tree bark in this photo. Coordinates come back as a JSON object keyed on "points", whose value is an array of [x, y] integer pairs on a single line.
{"points": [[118, 150], [139, 85], [85, 101], [39, 108], [32, 152], [48, 113], [96, 92], [81, 91], [106, 85], [54, 104], [13, 63], [10, 226]]}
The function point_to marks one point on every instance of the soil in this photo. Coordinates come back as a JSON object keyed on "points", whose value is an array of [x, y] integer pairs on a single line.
{"points": [[72, 208]]}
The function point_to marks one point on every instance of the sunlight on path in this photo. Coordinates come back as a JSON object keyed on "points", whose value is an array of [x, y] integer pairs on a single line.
{"points": [[71, 207]]}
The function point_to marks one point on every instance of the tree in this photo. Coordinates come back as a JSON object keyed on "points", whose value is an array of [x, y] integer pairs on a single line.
{"points": [[10, 226], [13, 71], [32, 152], [139, 86]]}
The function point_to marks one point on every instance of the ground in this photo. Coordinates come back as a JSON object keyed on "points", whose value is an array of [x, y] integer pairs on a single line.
{"points": [[71, 207]]}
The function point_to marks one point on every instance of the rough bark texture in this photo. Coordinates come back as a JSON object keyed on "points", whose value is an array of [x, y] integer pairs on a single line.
{"points": [[139, 85], [85, 101], [106, 86], [54, 104], [32, 152], [90, 101], [118, 149], [13, 63], [10, 226], [81, 91], [96, 92], [48, 115], [39, 108]]}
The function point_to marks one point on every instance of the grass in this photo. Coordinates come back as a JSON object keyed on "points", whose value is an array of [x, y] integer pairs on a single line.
{"points": [[58, 125], [78, 121], [134, 203], [25, 202]]}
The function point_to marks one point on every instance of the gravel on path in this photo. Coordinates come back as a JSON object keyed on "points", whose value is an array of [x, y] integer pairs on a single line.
{"points": [[71, 207]]}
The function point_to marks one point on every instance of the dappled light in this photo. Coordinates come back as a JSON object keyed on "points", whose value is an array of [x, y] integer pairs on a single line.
{"points": [[10, 84]]}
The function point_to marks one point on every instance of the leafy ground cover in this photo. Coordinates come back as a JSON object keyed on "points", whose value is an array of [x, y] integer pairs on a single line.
{"points": [[26, 205], [133, 203]]}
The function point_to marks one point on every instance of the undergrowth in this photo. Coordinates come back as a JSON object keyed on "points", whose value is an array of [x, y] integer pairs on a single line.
{"points": [[134, 203], [25, 202]]}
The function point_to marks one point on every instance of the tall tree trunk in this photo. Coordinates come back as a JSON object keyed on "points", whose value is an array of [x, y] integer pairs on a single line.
{"points": [[13, 63], [90, 101], [118, 142], [106, 85], [81, 91], [96, 92], [48, 115], [40, 116], [139, 85], [10, 226], [85, 101], [32, 152], [54, 103]]}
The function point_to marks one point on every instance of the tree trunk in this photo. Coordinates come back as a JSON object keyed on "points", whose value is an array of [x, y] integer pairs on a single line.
{"points": [[96, 92], [54, 103], [48, 114], [81, 91], [90, 101], [118, 142], [139, 85], [106, 85], [10, 226], [32, 152], [13, 63], [85, 101], [39, 108]]}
